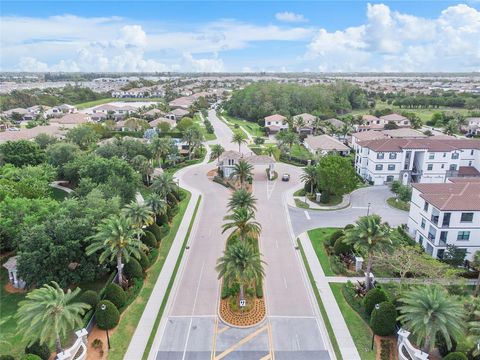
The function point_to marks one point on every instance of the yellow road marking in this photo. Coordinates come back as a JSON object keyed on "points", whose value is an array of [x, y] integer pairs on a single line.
{"points": [[222, 330], [266, 357], [270, 340], [212, 357], [241, 342]]}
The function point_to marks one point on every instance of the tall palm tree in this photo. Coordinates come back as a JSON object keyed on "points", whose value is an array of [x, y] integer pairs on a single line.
{"points": [[309, 176], [140, 215], [161, 148], [429, 310], [143, 166], [216, 151], [157, 204], [317, 125], [193, 137], [115, 238], [243, 222], [475, 263], [48, 313], [240, 264], [242, 170], [289, 139], [242, 199], [270, 150], [164, 185], [239, 138], [369, 235]]}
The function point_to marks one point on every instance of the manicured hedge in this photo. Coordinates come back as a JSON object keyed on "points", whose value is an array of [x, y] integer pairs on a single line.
{"points": [[31, 357], [116, 295], [149, 239], [384, 319], [40, 350], [155, 230], [144, 262], [152, 256], [374, 296], [107, 319], [89, 297], [133, 269], [334, 237], [162, 219], [456, 356]]}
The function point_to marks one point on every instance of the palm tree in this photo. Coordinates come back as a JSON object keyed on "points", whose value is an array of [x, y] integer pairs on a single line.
{"points": [[161, 147], [299, 122], [317, 125], [116, 239], [141, 164], [369, 235], [474, 331], [475, 263], [429, 310], [163, 185], [345, 129], [239, 138], [309, 176], [243, 222], [242, 170], [240, 264], [217, 151], [270, 150], [289, 139], [157, 205], [193, 137], [242, 199], [139, 215], [48, 313], [451, 127]]}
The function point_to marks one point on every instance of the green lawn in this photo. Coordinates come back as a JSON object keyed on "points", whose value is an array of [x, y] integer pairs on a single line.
{"points": [[301, 204], [131, 316], [299, 151], [107, 100], [398, 204], [318, 238], [252, 128], [359, 329], [58, 194], [208, 137]]}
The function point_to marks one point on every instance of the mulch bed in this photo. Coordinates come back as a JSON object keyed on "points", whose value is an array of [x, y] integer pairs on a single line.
{"points": [[253, 317], [394, 349], [12, 290]]}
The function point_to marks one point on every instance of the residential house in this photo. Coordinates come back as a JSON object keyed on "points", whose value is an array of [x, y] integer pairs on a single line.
{"points": [[446, 214], [276, 123], [177, 114], [70, 120], [473, 125], [14, 134], [113, 111], [386, 134], [153, 114], [304, 123], [325, 144], [416, 160], [160, 120], [181, 103], [227, 162], [371, 122]]}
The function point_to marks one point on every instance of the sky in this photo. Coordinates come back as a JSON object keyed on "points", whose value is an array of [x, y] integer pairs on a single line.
{"points": [[240, 36]]}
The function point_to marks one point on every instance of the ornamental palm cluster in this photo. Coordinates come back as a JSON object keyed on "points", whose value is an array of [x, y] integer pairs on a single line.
{"points": [[241, 262]]}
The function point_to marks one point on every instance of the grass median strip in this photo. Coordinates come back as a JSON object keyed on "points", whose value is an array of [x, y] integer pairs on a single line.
{"points": [[326, 320], [170, 284]]}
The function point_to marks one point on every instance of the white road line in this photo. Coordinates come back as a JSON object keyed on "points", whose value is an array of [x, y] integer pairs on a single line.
{"points": [[285, 282], [191, 316], [193, 311], [298, 341], [359, 207], [307, 215]]}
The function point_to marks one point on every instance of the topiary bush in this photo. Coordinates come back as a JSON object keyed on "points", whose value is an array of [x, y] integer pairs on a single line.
{"points": [[6, 357], [116, 295], [144, 262], [133, 269], [162, 219], [456, 356], [107, 319], [165, 229], [349, 227], [155, 230], [40, 350], [149, 239], [341, 248], [334, 237], [383, 319], [89, 297], [152, 256], [31, 357], [373, 297]]}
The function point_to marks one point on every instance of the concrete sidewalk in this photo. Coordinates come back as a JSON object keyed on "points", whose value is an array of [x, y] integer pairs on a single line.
{"points": [[342, 334]]}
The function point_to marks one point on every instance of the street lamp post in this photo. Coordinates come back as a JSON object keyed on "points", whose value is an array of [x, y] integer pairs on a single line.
{"points": [[377, 306], [368, 209], [103, 307]]}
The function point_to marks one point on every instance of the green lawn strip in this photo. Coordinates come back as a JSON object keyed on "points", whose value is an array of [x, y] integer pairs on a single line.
{"points": [[300, 192], [301, 152], [301, 204], [398, 204], [88, 104], [318, 238], [131, 316], [359, 329], [252, 128], [323, 311], [170, 284], [208, 137]]}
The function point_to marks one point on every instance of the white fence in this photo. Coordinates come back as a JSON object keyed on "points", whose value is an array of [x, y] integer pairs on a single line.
{"points": [[78, 351], [406, 351]]}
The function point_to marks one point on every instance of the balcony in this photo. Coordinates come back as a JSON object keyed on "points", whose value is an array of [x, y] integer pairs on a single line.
{"points": [[431, 236], [434, 219]]}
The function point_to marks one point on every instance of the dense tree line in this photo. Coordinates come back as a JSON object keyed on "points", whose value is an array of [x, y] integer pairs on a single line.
{"points": [[433, 100], [256, 101], [49, 97]]}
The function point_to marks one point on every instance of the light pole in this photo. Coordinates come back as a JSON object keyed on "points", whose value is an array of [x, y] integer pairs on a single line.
{"points": [[103, 307], [368, 209], [377, 306]]}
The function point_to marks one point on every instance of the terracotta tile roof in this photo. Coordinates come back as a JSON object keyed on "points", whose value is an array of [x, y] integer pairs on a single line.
{"points": [[275, 117], [468, 171], [404, 133], [393, 117], [431, 144], [368, 117], [325, 142], [369, 135], [308, 118], [455, 196]]}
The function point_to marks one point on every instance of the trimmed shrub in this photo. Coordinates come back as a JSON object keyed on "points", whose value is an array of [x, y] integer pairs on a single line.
{"points": [[107, 319], [162, 219], [373, 297], [38, 349], [456, 356], [259, 290], [89, 297], [6, 357], [133, 269], [334, 237], [144, 262], [383, 319], [340, 247], [441, 344], [149, 239], [348, 227], [155, 230], [31, 357], [115, 294], [165, 229], [171, 199], [172, 211], [152, 256]]}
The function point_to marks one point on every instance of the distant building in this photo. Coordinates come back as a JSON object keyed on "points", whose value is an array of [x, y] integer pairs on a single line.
{"points": [[276, 123], [371, 122]]}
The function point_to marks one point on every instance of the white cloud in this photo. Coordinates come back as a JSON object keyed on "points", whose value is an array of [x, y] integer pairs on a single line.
{"points": [[392, 41], [288, 16]]}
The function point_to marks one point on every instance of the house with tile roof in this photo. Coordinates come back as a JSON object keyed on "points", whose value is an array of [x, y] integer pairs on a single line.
{"points": [[275, 123], [446, 214], [325, 144]]}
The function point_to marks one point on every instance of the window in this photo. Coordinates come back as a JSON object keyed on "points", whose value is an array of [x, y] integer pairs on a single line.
{"points": [[391, 167], [430, 167], [467, 217], [470, 163], [446, 219], [379, 167], [423, 223], [443, 237], [453, 167], [471, 152], [443, 166], [425, 206], [420, 239], [389, 178], [444, 154], [463, 235], [392, 156], [440, 253], [380, 155], [455, 155], [431, 156]]}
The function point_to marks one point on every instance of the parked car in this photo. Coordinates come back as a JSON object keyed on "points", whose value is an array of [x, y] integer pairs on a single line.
{"points": [[286, 177]]}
